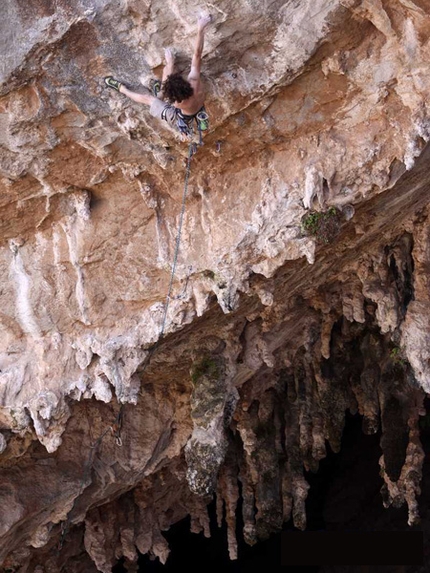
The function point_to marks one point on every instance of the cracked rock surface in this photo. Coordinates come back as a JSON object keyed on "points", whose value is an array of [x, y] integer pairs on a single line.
{"points": [[302, 284]]}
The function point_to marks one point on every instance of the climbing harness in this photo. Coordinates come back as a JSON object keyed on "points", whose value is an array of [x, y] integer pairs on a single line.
{"points": [[116, 427], [185, 123]]}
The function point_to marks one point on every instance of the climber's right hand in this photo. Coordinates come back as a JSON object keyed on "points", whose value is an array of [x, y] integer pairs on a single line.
{"points": [[168, 54], [203, 21]]}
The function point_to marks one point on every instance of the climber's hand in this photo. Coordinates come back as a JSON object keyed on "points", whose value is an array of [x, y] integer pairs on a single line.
{"points": [[203, 21], [168, 54]]}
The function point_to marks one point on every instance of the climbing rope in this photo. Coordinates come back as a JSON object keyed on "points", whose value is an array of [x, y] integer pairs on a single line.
{"points": [[115, 429], [191, 152]]}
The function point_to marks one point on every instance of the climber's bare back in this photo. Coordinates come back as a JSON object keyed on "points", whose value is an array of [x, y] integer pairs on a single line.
{"points": [[194, 103]]}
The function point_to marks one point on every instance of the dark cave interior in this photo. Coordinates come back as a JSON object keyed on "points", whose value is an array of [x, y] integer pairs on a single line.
{"points": [[344, 495]]}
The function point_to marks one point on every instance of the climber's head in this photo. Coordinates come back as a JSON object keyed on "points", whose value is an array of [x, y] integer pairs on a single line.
{"points": [[175, 88]]}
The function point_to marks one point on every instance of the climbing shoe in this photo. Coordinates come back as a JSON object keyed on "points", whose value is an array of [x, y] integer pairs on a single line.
{"points": [[156, 87], [111, 82]]}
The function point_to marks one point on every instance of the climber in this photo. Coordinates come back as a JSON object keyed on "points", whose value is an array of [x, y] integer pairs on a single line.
{"points": [[184, 98]]}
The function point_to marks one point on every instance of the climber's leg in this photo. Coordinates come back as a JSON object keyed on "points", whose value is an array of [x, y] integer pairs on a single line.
{"points": [[157, 107], [118, 86], [146, 98]]}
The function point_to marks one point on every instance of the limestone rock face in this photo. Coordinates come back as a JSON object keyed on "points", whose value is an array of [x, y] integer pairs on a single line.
{"points": [[301, 288]]}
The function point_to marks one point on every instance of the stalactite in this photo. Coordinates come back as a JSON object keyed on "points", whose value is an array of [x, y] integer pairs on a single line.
{"points": [[294, 479], [366, 391], [353, 301], [219, 510], [100, 538], [229, 490], [128, 529], [199, 516], [160, 547], [406, 489], [416, 326], [248, 502], [326, 328]]}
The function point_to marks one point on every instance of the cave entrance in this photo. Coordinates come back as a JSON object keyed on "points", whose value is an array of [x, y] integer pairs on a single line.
{"points": [[344, 495]]}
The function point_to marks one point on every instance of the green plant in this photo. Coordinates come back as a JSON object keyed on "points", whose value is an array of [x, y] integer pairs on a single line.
{"points": [[324, 226], [206, 367], [396, 357]]}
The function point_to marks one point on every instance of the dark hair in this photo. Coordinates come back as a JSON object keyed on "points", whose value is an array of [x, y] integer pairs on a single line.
{"points": [[175, 88]]}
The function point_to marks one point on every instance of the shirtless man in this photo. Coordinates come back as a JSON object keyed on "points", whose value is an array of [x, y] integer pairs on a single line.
{"points": [[185, 97]]}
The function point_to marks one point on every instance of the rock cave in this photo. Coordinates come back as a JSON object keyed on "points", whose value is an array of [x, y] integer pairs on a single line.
{"points": [[289, 389]]}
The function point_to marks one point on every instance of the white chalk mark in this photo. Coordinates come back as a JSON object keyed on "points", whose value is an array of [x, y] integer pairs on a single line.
{"points": [[72, 228], [22, 281], [69, 229]]}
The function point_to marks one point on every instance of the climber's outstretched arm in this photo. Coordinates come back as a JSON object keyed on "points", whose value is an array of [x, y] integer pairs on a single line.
{"points": [[168, 69], [203, 21]]}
